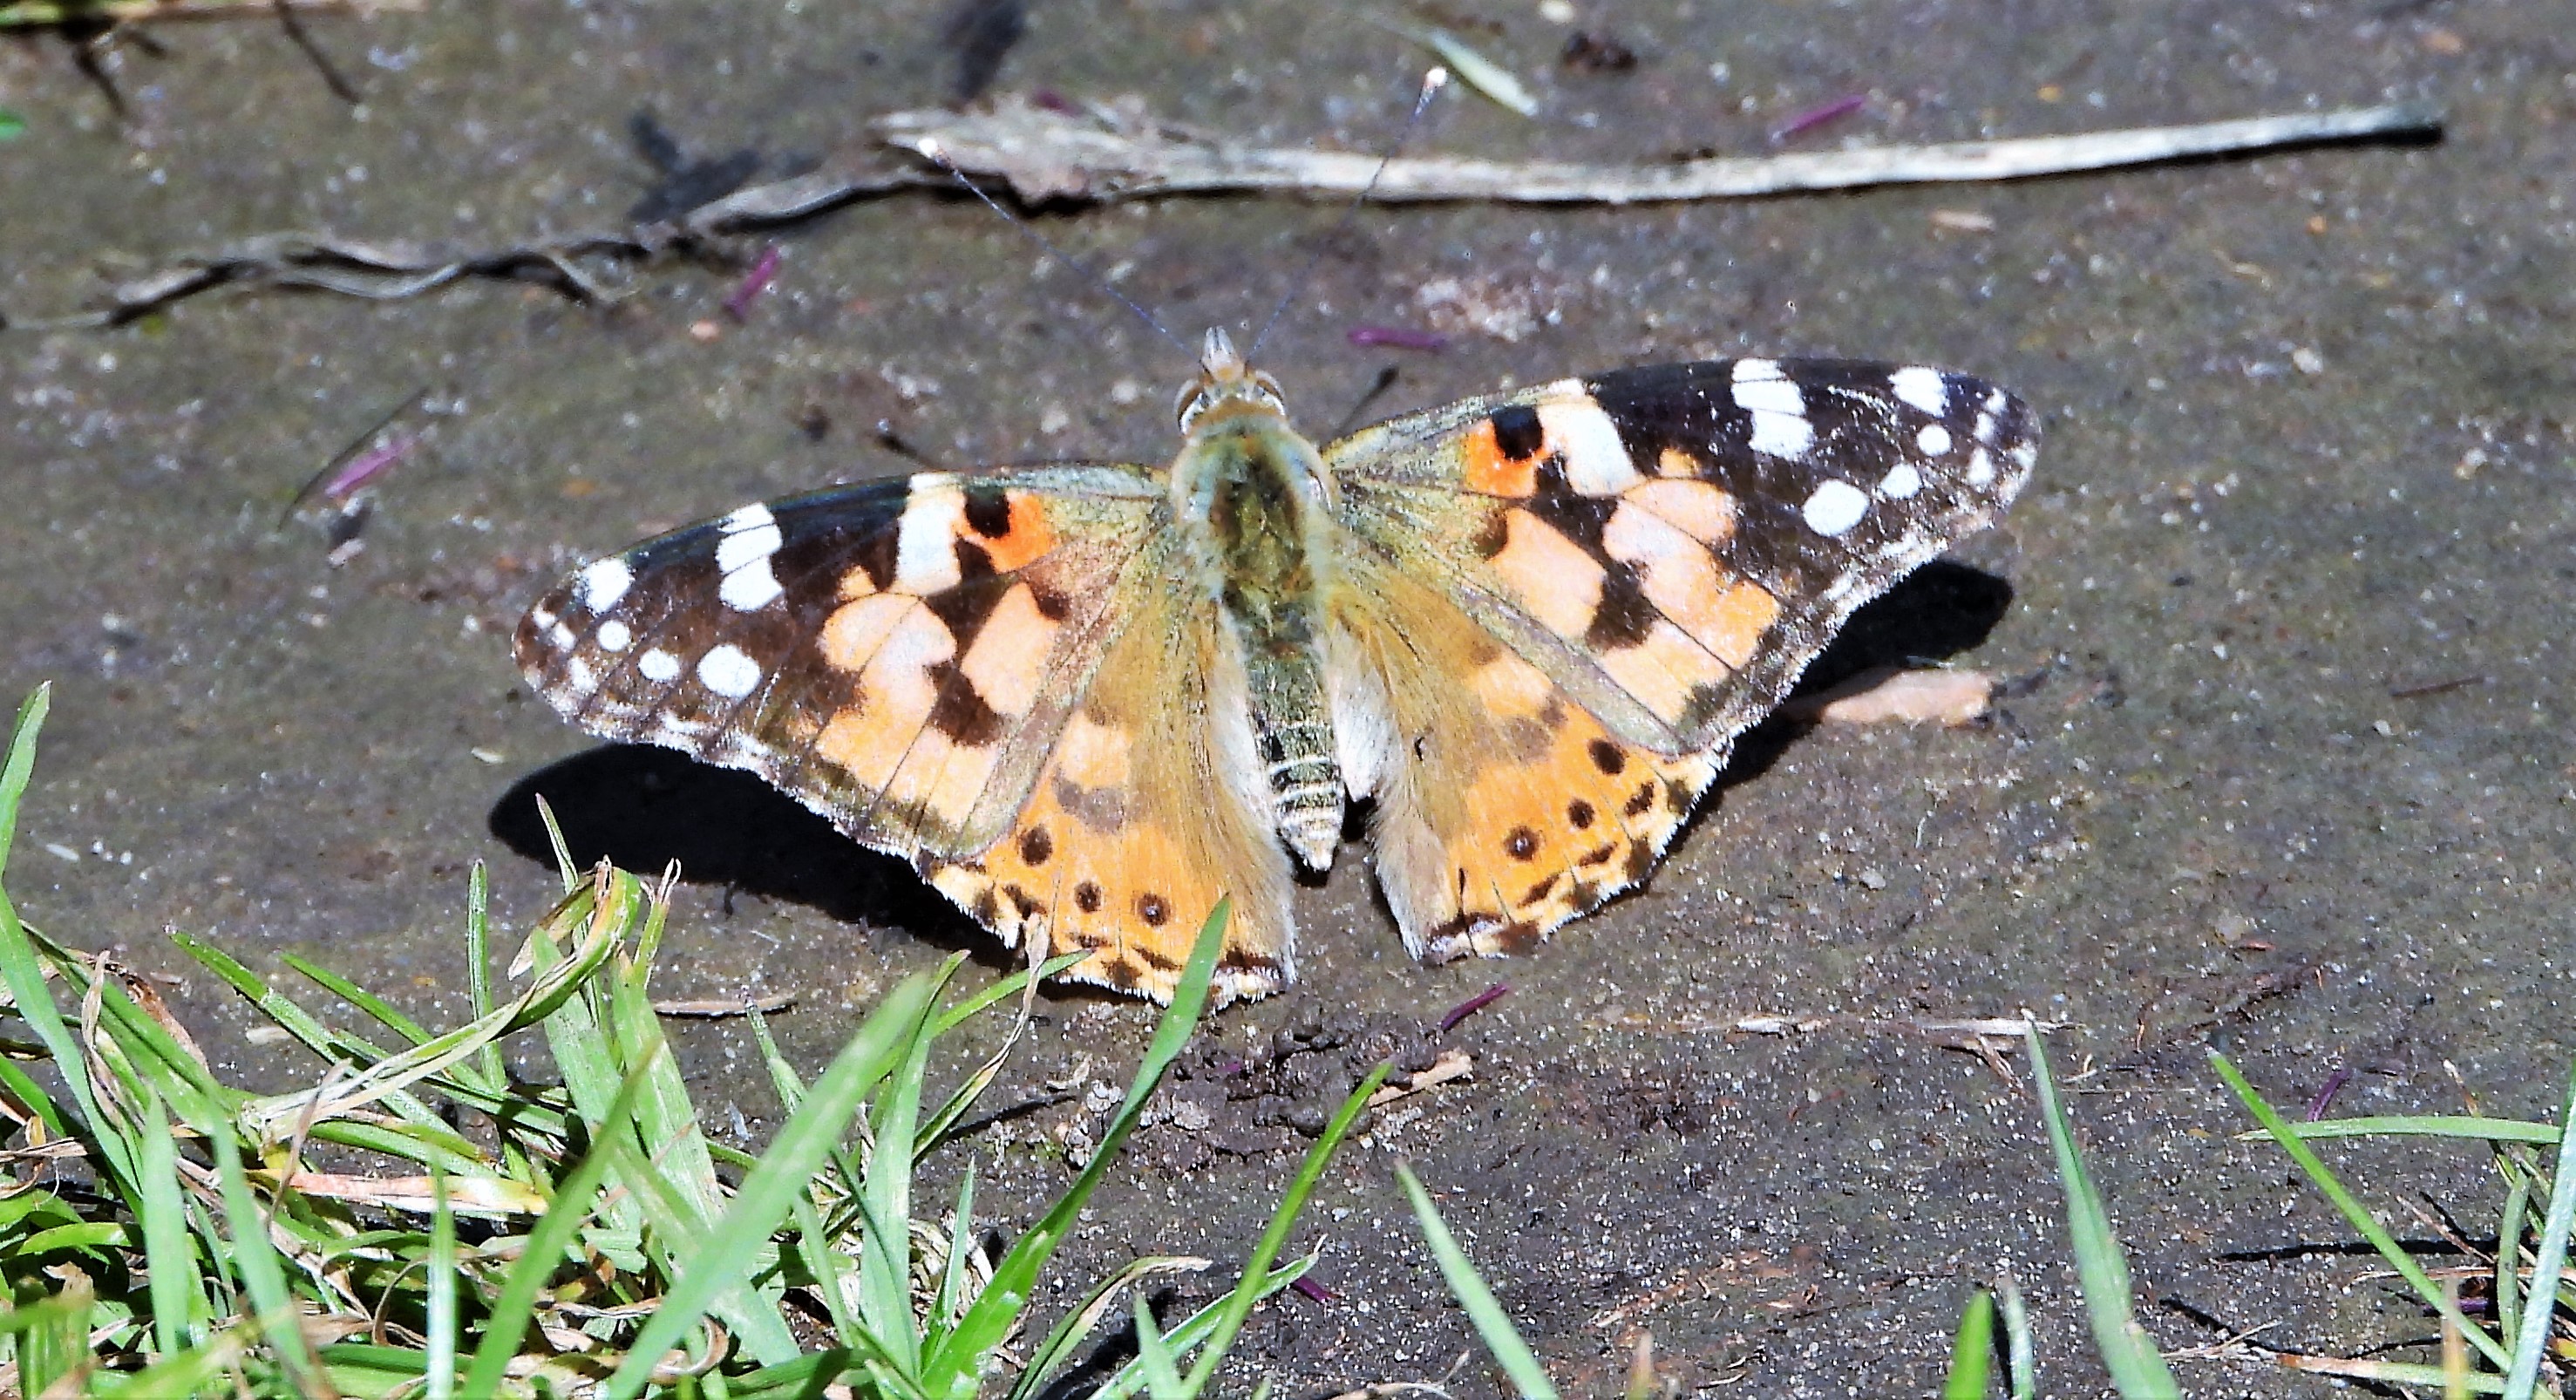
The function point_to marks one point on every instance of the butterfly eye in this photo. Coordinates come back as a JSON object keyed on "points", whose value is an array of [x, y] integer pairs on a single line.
{"points": [[1192, 402]]}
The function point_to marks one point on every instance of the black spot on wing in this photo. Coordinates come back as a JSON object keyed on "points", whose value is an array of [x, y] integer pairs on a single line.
{"points": [[961, 712], [1517, 431], [988, 511], [1624, 615], [1569, 512]]}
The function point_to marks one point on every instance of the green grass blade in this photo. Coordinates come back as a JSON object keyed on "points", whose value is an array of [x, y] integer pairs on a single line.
{"points": [[961, 1244], [967, 1006], [1972, 1351], [171, 1261], [478, 964], [24, 976], [375, 1006], [31, 1097], [1162, 1378], [549, 990], [2524, 1374], [824, 1265], [1292, 1203], [576, 1196], [1193, 1330], [191, 1372], [2354, 1213], [2128, 1353], [1492, 1324], [2508, 1276], [254, 1258], [20, 767], [2019, 1352], [441, 1380], [1074, 1327], [885, 1251], [2427, 1125], [718, 1265], [950, 1371]]}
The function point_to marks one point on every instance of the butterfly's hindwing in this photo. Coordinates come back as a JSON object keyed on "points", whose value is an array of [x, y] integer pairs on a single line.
{"points": [[1151, 808]]}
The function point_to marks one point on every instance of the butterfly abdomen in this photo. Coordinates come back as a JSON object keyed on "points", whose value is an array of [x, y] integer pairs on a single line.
{"points": [[1249, 492]]}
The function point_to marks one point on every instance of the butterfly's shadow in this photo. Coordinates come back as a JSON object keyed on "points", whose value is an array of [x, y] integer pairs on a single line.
{"points": [[1936, 612], [645, 808]]}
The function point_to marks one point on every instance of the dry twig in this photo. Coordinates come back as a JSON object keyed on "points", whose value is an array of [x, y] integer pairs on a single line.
{"points": [[1047, 154], [1044, 154]]}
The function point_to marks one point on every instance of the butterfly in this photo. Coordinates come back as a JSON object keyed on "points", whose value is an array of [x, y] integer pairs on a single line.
{"points": [[1085, 701]]}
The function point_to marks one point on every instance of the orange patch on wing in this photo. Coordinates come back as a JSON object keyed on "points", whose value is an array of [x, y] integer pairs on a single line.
{"points": [[854, 631], [1134, 896], [1672, 461], [1511, 688], [1704, 512], [1739, 620], [1008, 659], [1662, 669], [1093, 754], [941, 777], [870, 740], [1485, 467], [1548, 574], [1531, 845], [1686, 584], [1025, 538]]}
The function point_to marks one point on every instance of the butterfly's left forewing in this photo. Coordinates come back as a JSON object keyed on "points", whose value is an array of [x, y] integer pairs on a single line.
{"points": [[898, 655]]}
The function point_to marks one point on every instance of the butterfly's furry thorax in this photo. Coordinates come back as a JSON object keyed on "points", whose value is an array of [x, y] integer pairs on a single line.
{"points": [[1087, 701]]}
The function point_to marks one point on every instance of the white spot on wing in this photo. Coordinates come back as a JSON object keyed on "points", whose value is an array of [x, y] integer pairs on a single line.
{"points": [[925, 556], [728, 672], [578, 675], [1835, 507], [1933, 441], [604, 582], [740, 547], [1779, 412], [750, 517], [750, 588], [1901, 483], [1924, 388], [614, 635], [658, 665], [2025, 453], [1596, 461], [563, 637], [1981, 468]]}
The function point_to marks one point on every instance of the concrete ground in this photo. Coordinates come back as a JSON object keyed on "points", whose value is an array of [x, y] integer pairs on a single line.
{"points": [[2283, 766]]}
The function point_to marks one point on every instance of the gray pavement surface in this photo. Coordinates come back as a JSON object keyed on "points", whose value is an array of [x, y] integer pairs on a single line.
{"points": [[2307, 460]]}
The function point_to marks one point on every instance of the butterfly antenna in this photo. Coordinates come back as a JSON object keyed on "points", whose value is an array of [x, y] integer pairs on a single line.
{"points": [[931, 150], [1432, 82]]}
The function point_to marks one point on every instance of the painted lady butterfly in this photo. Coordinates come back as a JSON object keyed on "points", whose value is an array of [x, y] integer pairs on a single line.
{"points": [[1087, 700]]}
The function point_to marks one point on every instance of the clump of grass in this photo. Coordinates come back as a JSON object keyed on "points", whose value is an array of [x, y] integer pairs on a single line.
{"points": [[163, 1233], [2128, 1353], [2523, 1272]]}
